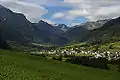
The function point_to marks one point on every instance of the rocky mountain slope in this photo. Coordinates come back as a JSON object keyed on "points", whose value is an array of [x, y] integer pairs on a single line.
{"points": [[46, 33], [80, 33], [76, 34], [95, 24], [107, 31]]}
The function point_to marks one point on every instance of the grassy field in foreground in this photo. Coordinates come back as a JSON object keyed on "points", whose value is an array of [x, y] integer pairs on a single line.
{"points": [[18, 66]]}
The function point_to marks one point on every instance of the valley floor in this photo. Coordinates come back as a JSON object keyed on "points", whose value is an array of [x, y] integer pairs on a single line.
{"points": [[19, 66]]}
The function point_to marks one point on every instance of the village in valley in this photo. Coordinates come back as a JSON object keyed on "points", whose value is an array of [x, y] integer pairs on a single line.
{"points": [[81, 50]]}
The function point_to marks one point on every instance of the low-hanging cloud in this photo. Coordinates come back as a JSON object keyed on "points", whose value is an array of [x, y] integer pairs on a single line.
{"points": [[32, 11]]}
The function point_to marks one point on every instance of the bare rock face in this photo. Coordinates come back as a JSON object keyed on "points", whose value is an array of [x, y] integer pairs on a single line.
{"points": [[61, 27], [94, 25]]}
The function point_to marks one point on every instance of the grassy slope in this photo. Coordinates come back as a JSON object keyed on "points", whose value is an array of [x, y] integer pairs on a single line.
{"points": [[115, 46], [17, 66]]}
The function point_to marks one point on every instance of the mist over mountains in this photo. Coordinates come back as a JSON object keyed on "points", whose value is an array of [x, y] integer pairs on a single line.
{"points": [[15, 27]]}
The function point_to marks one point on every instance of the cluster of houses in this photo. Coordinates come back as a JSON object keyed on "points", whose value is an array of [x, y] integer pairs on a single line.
{"points": [[106, 54]]}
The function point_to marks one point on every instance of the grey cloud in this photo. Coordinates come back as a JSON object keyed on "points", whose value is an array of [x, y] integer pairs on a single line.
{"points": [[95, 9]]}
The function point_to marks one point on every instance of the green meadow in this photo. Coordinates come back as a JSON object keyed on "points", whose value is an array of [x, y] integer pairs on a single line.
{"points": [[22, 66]]}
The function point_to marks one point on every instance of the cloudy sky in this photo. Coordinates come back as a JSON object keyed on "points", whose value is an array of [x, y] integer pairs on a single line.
{"points": [[69, 12]]}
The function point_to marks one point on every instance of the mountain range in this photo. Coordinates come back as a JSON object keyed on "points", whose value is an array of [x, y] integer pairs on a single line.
{"points": [[15, 27]]}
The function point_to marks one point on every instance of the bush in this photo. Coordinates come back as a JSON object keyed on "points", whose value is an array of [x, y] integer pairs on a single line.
{"points": [[59, 58], [65, 55], [119, 68], [116, 62], [111, 47], [43, 55], [94, 41], [88, 61]]}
